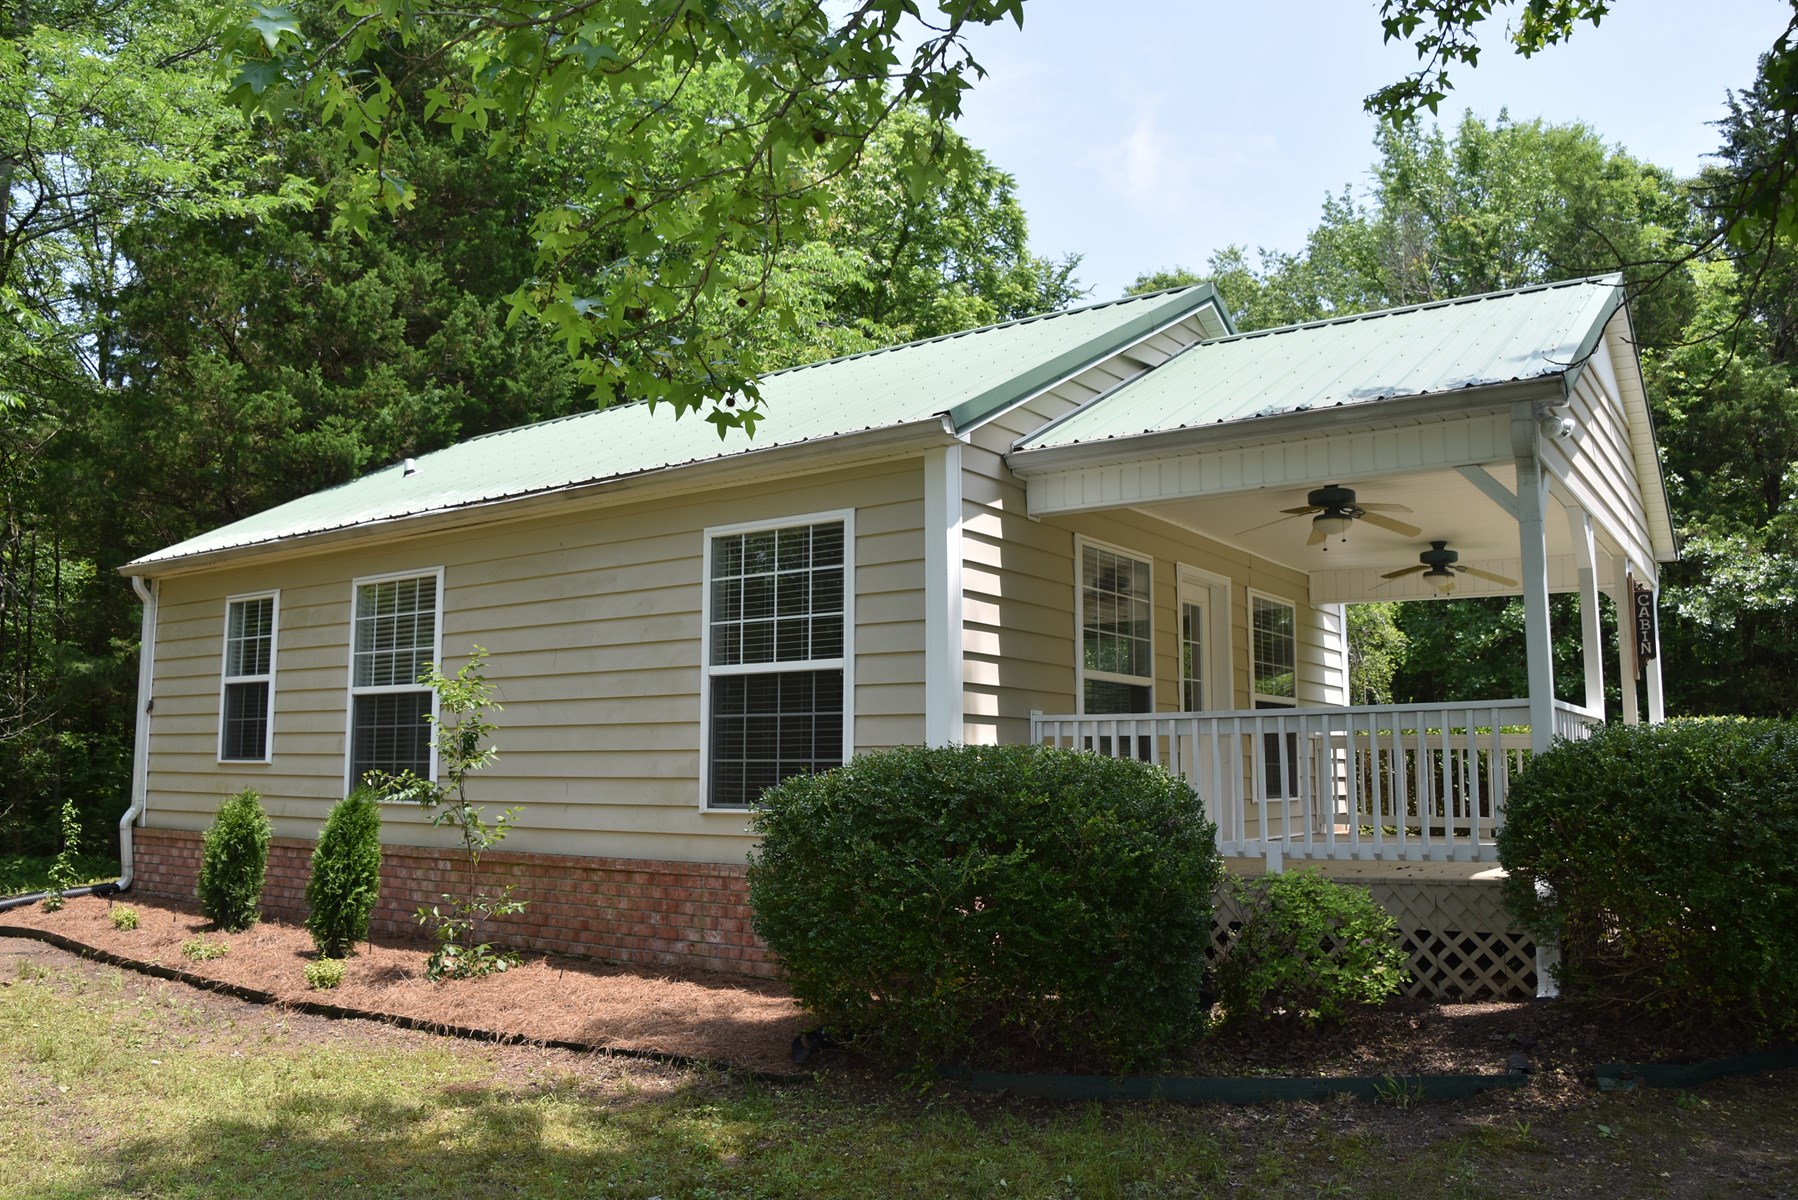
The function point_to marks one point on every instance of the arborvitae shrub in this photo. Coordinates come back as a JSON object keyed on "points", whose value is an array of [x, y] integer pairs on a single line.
{"points": [[233, 862], [1309, 950], [346, 874], [1667, 855], [954, 903]]}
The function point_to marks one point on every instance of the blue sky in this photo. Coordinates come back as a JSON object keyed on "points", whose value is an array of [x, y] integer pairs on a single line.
{"points": [[1145, 133]]}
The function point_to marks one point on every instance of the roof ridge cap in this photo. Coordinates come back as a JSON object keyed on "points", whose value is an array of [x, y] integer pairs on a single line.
{"points": [[1613, 278]]}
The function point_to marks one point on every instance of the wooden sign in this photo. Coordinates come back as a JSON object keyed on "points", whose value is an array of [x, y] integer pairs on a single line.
{"points": [[1645, 625]]}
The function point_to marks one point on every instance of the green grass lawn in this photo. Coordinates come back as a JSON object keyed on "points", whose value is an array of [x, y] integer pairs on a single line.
{"points": [[21, 873], [112, 1084]]}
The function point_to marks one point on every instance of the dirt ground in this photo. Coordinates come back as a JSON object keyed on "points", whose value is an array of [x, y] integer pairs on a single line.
{"points": [[752, 1024]]}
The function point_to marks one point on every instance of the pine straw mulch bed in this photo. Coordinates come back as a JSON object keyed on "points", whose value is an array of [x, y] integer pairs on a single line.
{"points": [[725, 1019], [751, 1024]]}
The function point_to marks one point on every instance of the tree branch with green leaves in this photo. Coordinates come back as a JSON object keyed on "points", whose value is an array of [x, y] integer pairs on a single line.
{"points": [[691, 204]]}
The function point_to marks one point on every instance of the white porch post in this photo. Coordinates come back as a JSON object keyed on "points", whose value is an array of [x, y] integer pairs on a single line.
{"points": [[1532, 537], [1657, 701], [1626, 644], [1626, 650], [943, 671], [1591, 631]]}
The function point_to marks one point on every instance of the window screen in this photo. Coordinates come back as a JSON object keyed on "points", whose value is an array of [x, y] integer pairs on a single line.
{"points": [[249, 668], [1275, 648], [1115, 622], [394, 639], [777, 619]]}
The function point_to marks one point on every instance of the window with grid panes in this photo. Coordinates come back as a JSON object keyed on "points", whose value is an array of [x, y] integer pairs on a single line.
{"points": [[1115, 619], [776, 612], [394, 636], [1274, 662], [246, 700]]}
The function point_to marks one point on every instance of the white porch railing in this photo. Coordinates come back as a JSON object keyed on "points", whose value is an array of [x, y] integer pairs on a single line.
{"points": [[1406, 782]]}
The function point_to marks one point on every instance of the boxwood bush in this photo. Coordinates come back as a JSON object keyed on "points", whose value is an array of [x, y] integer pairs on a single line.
{"points": [[953, 903], [1667, 852], [346, 874], [1309, 950], [233, 862]]}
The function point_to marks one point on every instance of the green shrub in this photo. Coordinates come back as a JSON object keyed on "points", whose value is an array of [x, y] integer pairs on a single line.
{"points": [[1667, 855], [346, 874], [123, 916], [324, 974], [1309, 949], [204, 949], [931, 901], [233, 861], [63, 872]]}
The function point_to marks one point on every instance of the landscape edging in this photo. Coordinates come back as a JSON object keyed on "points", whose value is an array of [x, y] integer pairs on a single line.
{"points": [[345, 1012], [1173, 1089]]}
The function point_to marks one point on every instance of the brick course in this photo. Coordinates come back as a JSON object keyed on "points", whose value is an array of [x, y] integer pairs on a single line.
{"points": [[626, 910]]}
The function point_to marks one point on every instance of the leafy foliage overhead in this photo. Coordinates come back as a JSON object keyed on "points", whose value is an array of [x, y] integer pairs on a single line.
{"points": [[1753, 202], [723, 126]]}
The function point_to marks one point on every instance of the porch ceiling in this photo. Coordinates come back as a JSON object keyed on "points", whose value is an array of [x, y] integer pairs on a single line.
{"points": [[1446, 505]]}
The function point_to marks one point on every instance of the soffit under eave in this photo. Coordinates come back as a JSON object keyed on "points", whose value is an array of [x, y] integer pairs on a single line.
{"points": [[1310, 447]]}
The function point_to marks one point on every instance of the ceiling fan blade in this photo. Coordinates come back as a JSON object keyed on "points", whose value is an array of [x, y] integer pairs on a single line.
{"points": [[1404, 571], [1318, 537], [1398, 527], [1486, 575], [1382, 508], [1309, 508], [1263, 525]]}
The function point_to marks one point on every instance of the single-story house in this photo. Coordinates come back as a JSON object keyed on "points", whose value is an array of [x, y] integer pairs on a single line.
{"points": [[1124, 527]]}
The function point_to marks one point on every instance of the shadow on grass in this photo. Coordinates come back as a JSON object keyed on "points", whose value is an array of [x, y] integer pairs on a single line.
{"points": [[469, 1140]]}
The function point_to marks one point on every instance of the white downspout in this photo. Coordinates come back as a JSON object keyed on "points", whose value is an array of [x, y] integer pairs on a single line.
{"points": [[140, 750]]}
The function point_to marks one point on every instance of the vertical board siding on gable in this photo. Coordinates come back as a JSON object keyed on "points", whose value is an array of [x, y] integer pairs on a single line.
{"points": [[592, 622]]}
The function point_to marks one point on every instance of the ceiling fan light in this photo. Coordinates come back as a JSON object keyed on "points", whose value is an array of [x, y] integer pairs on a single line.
{"points": [[1442, 579], [1332, 524]]}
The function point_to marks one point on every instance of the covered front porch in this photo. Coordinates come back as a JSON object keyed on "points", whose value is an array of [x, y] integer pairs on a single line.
{"points": [[1493, 447]]}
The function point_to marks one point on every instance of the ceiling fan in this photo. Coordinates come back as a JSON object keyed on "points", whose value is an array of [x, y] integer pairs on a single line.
{"points": [[1438, 566], [1334, 509]]}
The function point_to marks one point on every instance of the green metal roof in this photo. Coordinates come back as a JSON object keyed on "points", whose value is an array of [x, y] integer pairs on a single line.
{"points": [[964, 377], [1500, 337]]}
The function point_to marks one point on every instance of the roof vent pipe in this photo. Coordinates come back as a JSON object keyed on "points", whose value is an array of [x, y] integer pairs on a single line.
{"points": [[411, 467]]}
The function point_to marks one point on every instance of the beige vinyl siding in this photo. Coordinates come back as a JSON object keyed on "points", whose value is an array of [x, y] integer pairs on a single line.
{"points": [[1598, 463], [1019, 641], [1017, 574], [592, 621]]}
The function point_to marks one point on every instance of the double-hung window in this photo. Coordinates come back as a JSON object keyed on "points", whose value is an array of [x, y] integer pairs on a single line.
{"points": [[1273, 627], [247, 693], [1116, 617], [778, 620], [393, 636]]}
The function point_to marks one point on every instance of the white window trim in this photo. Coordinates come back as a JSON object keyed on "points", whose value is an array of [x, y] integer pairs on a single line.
{"points": [[1081, 674], [707, 670], [351, 691], [225, 679], [1219, 682], [1256, 697]]}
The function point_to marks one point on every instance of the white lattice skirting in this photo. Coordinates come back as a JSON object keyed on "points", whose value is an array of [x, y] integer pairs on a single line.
{"points": [[1460, 939]]}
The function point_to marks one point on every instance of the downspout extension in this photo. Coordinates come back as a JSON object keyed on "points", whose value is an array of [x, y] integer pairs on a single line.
{"points": [[140, 750]]}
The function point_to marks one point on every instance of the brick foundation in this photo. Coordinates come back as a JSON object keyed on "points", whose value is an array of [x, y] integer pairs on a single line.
{"points": [[626, 910]]}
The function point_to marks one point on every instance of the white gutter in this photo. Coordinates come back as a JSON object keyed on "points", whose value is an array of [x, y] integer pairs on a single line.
{"points": [[140, 750]]}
